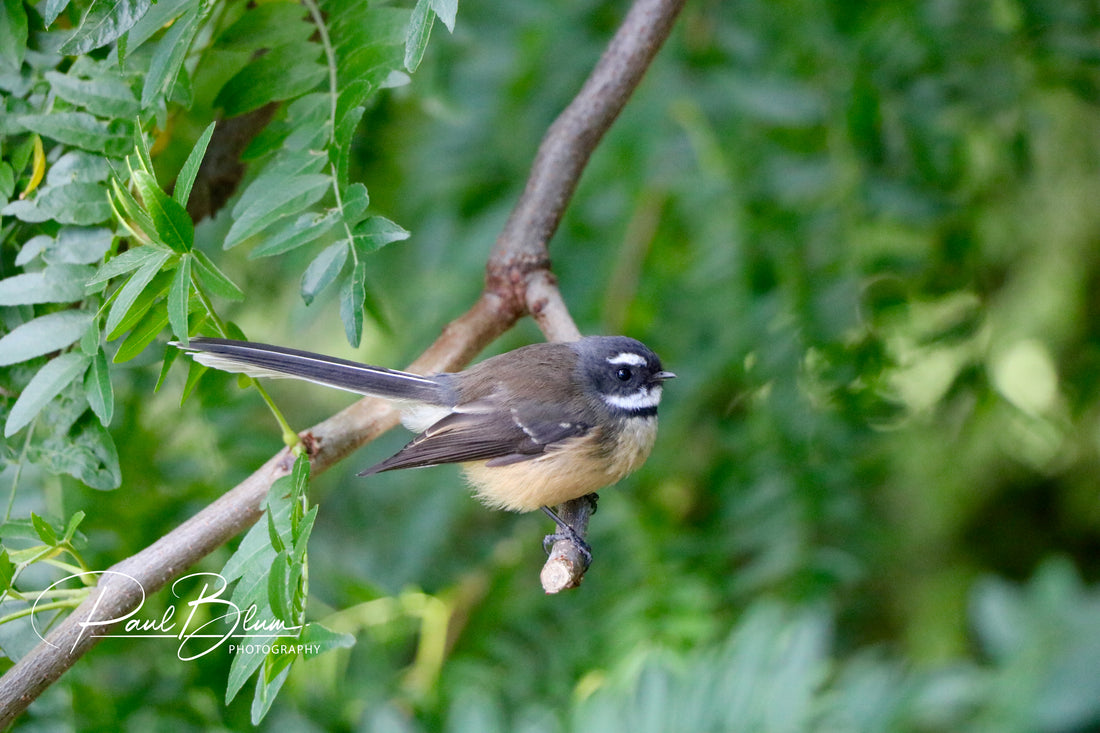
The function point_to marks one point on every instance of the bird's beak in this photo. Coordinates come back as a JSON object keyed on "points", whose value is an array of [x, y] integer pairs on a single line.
{"points": [[662, 376]]}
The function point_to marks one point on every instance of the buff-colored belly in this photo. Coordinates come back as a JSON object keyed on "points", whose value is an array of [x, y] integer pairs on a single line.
{"points": [[576, 468]]}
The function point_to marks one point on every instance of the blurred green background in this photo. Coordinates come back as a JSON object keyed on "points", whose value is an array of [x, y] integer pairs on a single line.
{"points": [[864, 235]]}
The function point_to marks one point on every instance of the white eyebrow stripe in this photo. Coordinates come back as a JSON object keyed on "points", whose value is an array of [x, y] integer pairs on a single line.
{"points": [[640, 400], [627, 357]]}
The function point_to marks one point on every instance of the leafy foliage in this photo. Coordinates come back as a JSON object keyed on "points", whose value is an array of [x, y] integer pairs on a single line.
{"points": [[81, 190], [862, 234]]}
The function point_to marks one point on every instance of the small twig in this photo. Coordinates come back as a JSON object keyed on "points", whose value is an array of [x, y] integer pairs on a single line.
{"points": [[567, 563]]}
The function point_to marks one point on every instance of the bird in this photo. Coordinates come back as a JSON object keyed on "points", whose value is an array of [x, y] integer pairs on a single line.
{"points": [[532, 428]]}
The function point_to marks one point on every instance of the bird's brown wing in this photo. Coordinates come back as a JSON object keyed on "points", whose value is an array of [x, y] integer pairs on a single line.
{"points": [[500, 438]]}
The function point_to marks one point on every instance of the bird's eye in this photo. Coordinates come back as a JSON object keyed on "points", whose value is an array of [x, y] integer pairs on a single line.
{"points": [[623, 374]]}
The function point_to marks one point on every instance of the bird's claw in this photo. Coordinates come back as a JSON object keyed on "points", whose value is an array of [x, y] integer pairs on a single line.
{"points": [[565, 532]]}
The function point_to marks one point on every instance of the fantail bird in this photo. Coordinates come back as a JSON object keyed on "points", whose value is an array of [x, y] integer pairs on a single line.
{"points": [[532, 428]]}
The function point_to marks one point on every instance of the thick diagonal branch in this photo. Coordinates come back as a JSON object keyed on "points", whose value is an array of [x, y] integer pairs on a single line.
{"points": [[518, 282]]}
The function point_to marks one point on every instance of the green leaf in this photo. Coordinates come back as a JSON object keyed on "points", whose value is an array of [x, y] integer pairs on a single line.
{"points": [[70, 528], [159, 16], [214, 279], [170, 356], [352, 296], [195, 371], [43, 335], [262, 207], [105, 96], [79, 166], [121, 45], [447, 10], [291, 163], [186, 178], [171, 220], [128, 261], [7, 180], [356, 201], [7, 570], [18, 529], [285, 72], [55, 284], [273, 537], [52, 9], [129, 292], [306, 137], [308, 112], [254, 554], [89, 456], [345, 131], [299, 477], [143, 333], [376, 232], [81, 130], [104, 21], [266, 691], [89, 341], [358, 27], [43, 529], [266, 26], [78, 246], [13, 36], [31, 249], [21, 154], [98, 389], [73, 203], [235, 331], [179, 299], [153, 292], [46, 384], [296, 590], [246, 662], [280, 658], [302, 533], [281, 588], [318, 640], [168, 57], [141, 151], [323, 270], [290, 235], [137, 215], [369, 67], [419, 31]]}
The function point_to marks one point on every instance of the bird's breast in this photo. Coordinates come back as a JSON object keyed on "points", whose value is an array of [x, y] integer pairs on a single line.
{"points": [[570, 470], [632, 446]]}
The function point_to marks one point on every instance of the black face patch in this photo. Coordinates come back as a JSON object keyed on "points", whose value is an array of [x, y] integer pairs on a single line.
{"points": [[624, 374]]}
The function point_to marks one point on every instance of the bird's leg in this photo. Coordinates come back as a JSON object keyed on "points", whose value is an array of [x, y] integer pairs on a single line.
{"points": [[567, 532]]}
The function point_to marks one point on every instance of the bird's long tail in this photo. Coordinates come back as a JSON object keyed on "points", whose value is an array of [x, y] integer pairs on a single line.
{"points": [[263, 360]]}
